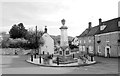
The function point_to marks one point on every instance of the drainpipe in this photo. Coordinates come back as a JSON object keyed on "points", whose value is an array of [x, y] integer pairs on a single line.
{"points": [[94, 46], [118, 45]]}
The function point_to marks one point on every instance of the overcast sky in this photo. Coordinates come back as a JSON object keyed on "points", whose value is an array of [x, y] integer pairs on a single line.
{"points": [[77, 14]]}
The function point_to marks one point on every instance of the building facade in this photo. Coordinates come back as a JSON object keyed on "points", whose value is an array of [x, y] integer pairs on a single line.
{"points": [[103, 39], [107, 39], [48, 46]]}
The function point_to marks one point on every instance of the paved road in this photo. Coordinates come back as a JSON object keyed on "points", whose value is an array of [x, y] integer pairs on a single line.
{"points": [[18, 65]]}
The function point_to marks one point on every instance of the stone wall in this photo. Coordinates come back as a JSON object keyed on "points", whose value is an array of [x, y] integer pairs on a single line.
{"points": [[107, 40], [11, 51]]}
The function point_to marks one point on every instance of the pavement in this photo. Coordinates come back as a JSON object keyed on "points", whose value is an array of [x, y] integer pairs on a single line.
{"points": [[51, 64], [17, 65]]}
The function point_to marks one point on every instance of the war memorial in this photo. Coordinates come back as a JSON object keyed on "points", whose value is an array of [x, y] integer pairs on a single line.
{"points": [[64, 57]]}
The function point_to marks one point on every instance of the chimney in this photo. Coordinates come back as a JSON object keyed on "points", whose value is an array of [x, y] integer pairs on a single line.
{"points": [[89, 25], [100, 21], [45, 29]]}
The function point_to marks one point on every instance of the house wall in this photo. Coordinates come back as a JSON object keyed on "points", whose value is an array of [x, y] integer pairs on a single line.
{"points": [[48, 45], [88, 43], [108, 39], [83, 44]]}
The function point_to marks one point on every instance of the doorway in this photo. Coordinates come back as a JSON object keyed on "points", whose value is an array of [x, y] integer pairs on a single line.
{"points": [[107, 51]]}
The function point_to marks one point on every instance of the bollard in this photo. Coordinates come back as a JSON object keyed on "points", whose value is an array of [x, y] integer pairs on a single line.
{"points": [[35, 56], [57, 60], [73, 56], [91, 58], [31, 57], [16, 52], [40, 59], [43, 52]]}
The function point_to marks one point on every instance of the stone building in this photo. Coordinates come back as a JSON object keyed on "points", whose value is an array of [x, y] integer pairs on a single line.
{"points": [[107, 40], [87, 39], [103, 39]]}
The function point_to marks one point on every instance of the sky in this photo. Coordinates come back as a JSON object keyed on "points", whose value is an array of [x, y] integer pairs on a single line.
{"points": [[41, 13]]}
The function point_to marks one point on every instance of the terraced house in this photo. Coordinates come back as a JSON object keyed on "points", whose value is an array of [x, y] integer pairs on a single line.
{"points": [[103, 39]]}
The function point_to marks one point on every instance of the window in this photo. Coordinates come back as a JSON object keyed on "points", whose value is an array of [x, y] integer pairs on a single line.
{"points": [[80, 41], [89, 40], [67, 52], [84, 41], [60, 52], [118, 23], [90, 49], [102, 27], [83, 48], [99, 49], [107, 39], [80, 48]]}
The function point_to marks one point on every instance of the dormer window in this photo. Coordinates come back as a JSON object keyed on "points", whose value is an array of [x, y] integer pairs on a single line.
{"points": [[102, 27]]}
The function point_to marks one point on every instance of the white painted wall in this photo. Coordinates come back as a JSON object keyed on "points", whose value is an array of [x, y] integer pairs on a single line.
{"points": [[49, 44]]}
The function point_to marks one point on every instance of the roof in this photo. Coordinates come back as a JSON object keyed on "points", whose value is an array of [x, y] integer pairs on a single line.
{"points": [[48, 35], [111, 26], [93, 31], [84, 33], [90, 32]]}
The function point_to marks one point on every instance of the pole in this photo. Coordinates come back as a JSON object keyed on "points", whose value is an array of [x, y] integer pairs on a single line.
{"points": [[36, 42], [36, 38]]}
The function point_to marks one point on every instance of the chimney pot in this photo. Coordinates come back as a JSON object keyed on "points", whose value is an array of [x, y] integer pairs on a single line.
{"points": [[100, 21], [89, 25]]}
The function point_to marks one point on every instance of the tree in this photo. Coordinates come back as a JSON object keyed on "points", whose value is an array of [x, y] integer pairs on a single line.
{"points": [[17, 31], [31, 37], [22, 30]]}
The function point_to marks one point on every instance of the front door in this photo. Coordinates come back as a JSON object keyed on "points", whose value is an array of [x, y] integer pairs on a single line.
{"points": [[87, 50], [107, 51]]}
